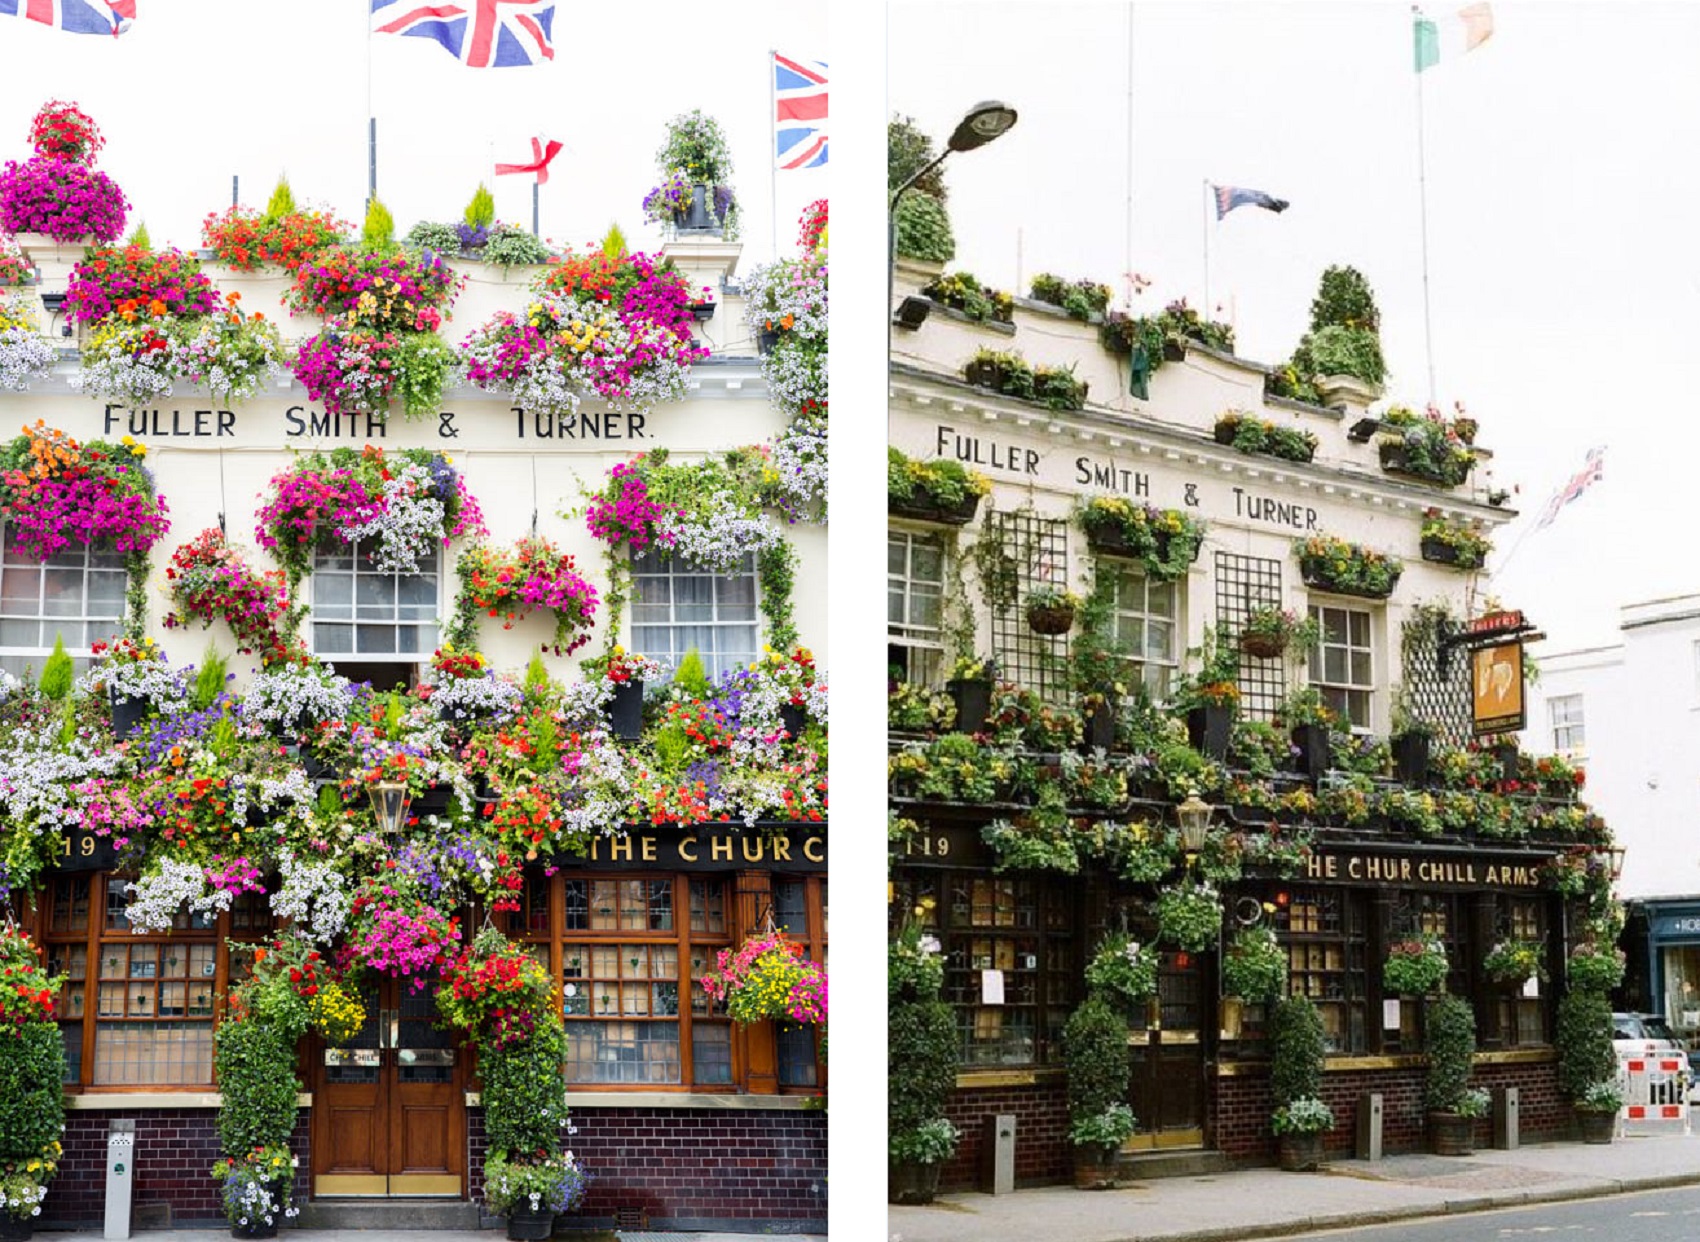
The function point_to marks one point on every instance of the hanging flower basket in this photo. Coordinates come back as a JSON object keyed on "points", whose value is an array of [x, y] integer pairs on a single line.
{"points": [[1050, 621]]}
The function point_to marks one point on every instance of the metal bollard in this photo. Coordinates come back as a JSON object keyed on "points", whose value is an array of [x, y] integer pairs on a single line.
{"points": [[1368, 1132], [120, 1177], [1506, 1121], [997, 1154]]}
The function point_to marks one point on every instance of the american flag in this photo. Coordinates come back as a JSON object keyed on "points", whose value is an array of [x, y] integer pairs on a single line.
{"points": [[481, 34], [96, 17], [1590, 473], [799, 121]]}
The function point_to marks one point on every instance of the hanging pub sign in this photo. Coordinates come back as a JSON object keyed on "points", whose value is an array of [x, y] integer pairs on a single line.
{"points": [[1496, 689], [80, 850]]}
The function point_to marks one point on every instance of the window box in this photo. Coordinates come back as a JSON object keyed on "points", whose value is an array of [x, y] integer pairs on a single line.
{"points": [[1437, 552], [1396, 460], [1110, 540], [919, 510], [1318, 579]]}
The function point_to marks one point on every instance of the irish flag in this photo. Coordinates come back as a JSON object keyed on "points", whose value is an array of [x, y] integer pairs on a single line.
{"points": [[1451, 37]]}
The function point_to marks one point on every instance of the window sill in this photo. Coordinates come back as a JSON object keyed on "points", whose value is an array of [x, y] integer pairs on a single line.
{"points": [[679, 1099], [107, 1097], [981, 1079]]}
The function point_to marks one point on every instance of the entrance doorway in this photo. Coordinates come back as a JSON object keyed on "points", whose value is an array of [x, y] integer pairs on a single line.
{"points": [[1167, 1088], [389, 1110]]}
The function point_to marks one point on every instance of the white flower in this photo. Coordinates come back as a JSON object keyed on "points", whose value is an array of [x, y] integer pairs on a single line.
{"points": [[158, 896]]}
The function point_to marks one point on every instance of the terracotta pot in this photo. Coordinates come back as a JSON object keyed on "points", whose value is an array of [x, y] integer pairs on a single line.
{"points": [[911, 1182], [1094, 1166], [1299, 1153]]}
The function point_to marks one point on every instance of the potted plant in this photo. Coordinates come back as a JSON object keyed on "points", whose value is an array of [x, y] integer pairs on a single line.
{"points": [[921, 1067], [1596, 1111], [1164, 541], [626, 672], [1209, 696], [1095, 1046], [1410, 744], [1297, 1047], [1449, 1047], [1123, 971], [32, 1067], [941, 491], [1594, 967], [1308, 721], [970, 688], [1268, 632], [1453, 543], [1343, 568], [1587, 1060], [1254, 971], [1424, 446], [1051, 609], [1189, 916], [1098, 713], [1415, 966], [527, 1175], [695, 155], [1512, 963]]}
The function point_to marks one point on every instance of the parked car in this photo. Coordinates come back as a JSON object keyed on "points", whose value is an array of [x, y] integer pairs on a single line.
{"points": [[1648, 1034]]}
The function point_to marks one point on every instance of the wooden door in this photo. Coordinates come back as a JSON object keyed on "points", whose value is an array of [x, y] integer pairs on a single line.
{"points": [[1167, 1088], [389, 1115]]}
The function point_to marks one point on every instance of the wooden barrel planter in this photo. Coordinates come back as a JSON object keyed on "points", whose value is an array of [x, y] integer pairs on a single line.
{"points": [[1450, 1134]]}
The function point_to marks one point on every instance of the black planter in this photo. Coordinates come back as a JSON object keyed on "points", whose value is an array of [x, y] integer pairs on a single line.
{"points": [[127, 717], [434, 801], [1112, 541], [1300, 1153], [982, 374], [702, 312], [766, 340], [973, 699], [793, 718], [911, 1182], [1507, 757], [16, 1227], [1100, 727], [920, 508], [1439, 553], [1209, 729], [1313, 577], [625, 711], [1174, 348], [1597, 1127], [1410, 758], [523, 1223], [698, 217], [1312, 741], [316, 768]]}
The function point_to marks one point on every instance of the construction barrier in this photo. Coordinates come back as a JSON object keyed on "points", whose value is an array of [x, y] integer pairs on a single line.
{"points": [[1655, 1091]]}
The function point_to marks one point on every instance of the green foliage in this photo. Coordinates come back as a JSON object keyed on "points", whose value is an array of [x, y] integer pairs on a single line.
{"points": [[1296, 1050], [614, 242], [907, 150], [525, 1094], [1583, 1036], [536, 674], [696, 148], [1339, 350], [940, 482], [441, 238], [1335, 564], [57, 673], [140, 237], [1450, 1045], [1095, 1045], [920, 1064], [1249, 434], [210, 680], [1189, 916], [1344, 299], [1255, 966], [481, 211], [923, 229], [511, 246], [691, 677], [378, 233], [962, 291], [282, 201], [255, 1066], [1122, 972], [32, 1100], [913, 971], [1080, 298]]}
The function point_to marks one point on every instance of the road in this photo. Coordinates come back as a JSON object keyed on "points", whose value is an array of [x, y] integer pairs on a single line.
{"points": [[1651, 1216]]}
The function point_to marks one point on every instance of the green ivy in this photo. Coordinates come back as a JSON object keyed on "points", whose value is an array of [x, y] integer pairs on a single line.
{"points": [[255, 1066], [32, 1099], [1296, 1050], [525, 1094]]}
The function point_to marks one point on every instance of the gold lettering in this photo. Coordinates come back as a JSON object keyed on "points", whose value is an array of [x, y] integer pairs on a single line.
{"points": [[596, 849], [721, 848], [781, 850], [1333, 867], [620, 847], [810, 845], [1470, 873], [649, 849], [1492, 874], [687, 846], [760, 849], [1404, 868], [1354, 868], [1313, 867], [88, 847], [944, 846], [65, 845]]}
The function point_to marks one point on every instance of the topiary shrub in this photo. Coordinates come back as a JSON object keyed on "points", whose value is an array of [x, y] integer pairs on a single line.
{"points": [[1584, 1039], [1450, 1046], [378, 233], [920, 1064], [1296, 1050], [481, 211], [32, 1095], [57, 673], [1095, 1046], [255, 1068], [923, 229], [525, 1093]]}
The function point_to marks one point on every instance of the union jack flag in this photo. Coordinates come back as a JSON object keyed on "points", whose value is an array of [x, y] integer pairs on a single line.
{"points": [[799, 120], [1590, 473], [97, 17], [481, 34]]}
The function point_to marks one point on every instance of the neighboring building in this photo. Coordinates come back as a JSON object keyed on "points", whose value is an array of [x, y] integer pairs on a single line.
{"points": [[1630, 713], [684, 1118], [1378, 868]]}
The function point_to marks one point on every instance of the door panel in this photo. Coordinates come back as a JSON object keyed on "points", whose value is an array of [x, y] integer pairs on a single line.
{"points": [[1167, 1087]]}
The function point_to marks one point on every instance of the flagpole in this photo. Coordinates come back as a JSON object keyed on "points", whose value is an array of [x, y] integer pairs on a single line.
{"points": [[371, 121], [773, 152], [1422, 205], [1205, 309], [536, 187], [1127, 268]]}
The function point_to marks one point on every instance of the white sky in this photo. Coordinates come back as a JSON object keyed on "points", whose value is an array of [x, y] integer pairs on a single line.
{"points": [[1561, 183], [199, 90]]}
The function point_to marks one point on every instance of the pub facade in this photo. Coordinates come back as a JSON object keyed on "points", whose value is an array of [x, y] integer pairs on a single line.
{"points": [[1205, 572], [624, 883]]}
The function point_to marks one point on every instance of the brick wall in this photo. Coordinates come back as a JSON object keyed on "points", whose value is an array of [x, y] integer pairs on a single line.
{"points": [[1042, 1151], [1240, 1108], [695, 1168], [174, 1153]]}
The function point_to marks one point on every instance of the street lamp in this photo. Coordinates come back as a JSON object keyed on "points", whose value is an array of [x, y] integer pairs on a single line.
{"points": [[983, 123], [389, 803], [1194, 815]]}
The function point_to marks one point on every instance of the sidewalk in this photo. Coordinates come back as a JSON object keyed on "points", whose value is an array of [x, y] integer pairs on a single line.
{"points": [[1265, 1202], [435, 1235]]}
